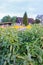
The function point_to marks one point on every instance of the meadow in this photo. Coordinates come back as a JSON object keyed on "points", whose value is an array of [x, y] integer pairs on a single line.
{"points": [[21, 47]]}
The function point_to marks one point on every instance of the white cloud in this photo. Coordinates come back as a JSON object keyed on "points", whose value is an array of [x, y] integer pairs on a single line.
{"points": [[18, 7], [11, 14], [17, 14], [31, 9]]}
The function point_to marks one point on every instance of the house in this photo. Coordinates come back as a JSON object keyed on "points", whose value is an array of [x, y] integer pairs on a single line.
{"points": [[31, 20], [20, 20], [5, 23]]}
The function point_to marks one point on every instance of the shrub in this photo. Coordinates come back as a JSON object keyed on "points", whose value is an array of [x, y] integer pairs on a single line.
{"points": [[21, 47], [37, 21]]}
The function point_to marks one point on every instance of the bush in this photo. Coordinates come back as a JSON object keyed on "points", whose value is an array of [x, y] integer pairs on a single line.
{"points": [[21, 47], [37, 21]]}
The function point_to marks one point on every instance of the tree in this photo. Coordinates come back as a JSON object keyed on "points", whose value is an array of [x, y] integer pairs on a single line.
{"points": [[13, 19], [6, 19], [37, 21], [25, 19]]}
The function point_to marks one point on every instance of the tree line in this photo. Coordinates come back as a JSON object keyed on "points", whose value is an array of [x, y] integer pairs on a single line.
{"points": [[13, 19], [9, 19]]}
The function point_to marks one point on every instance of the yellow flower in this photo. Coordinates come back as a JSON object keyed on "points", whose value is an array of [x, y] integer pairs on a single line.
{"points": [[28, 27], [20, 27], [16, 27]]}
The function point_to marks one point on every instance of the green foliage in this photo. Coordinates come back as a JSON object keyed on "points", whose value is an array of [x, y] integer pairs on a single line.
{"points": [[9, 19], [6, 19], [13, 19], [37, 21], [21, 47], [25, 19]]}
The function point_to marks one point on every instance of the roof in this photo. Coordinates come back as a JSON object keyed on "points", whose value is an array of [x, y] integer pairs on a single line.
{"points": [[20, 20], [5, 23], [31, 20]]}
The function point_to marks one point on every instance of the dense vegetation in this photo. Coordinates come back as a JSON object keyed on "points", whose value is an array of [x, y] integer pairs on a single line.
{"points": [[9, 19], [21, 47], [37, 21]]}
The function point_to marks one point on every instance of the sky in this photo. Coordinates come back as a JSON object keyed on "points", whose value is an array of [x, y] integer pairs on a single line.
{"points": [[19, 7]]}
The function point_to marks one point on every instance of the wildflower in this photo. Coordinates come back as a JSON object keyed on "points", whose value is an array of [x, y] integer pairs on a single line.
{"points": [[28, 26]]}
